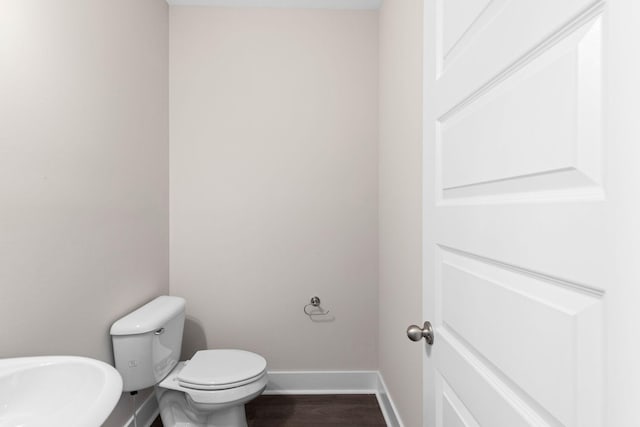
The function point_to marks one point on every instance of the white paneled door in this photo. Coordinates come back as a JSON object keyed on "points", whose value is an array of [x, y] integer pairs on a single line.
{"points": [[532, 213]]}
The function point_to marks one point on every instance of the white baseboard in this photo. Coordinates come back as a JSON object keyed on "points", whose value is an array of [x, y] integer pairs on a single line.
{"points": [[336, 382], [389, 411], [146, 412], [322, 382], [306, 382]]}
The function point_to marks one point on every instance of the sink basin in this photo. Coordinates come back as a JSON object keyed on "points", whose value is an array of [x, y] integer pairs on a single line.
{"points": [[57, 391]]}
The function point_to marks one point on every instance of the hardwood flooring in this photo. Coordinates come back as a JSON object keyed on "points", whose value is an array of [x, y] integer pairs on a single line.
{"points": [[345, 410]]}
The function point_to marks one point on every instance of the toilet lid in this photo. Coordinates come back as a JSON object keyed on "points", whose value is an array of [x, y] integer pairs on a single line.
{"points": [[216, 369]]}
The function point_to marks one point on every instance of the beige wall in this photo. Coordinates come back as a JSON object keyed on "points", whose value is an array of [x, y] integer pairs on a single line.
{"points": [[400, 203], [274, 181], [83, 170]]}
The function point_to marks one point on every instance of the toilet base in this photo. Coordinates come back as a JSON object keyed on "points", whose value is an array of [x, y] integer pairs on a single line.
{"points": [[229, 417], [177, 411], [186, 407]]}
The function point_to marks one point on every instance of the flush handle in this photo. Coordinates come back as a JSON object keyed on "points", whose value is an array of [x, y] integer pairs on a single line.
{"points": [[416, 333], [159, 331]]}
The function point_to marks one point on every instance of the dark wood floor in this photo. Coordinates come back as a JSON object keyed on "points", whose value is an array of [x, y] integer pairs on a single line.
{"points": [[345, 410]]}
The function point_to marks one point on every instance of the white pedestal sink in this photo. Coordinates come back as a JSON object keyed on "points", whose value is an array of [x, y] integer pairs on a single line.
{"points": [[57, 391]]}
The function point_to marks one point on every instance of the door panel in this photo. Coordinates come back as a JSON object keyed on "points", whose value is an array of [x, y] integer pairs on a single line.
{"points": [[489, 47], [508, 320], [489, 400], [540, 126], [518, 241], [458, 16], [454, 413]]}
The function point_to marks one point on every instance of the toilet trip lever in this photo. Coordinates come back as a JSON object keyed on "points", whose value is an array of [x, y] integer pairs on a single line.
{"points": [[314, 309]]}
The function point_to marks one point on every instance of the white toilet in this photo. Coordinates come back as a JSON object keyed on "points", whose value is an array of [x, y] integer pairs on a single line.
{"points": [[208, 390]]}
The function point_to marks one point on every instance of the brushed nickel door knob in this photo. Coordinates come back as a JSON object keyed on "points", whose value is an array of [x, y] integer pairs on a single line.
{"points": [[416, 333]]}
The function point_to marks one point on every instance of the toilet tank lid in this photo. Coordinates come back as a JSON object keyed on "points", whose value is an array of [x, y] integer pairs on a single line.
{"points": [[150, 317]]}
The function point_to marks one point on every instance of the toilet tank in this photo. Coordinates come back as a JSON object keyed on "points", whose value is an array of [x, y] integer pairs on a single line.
{"points": [[147, 342]]}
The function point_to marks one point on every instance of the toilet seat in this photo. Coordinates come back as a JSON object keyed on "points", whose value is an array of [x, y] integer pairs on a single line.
{"points": [[221, 369], [215, 397], [221, 387]]}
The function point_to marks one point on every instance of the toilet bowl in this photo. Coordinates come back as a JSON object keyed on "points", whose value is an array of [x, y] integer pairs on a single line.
{"points": [[209, 390]]}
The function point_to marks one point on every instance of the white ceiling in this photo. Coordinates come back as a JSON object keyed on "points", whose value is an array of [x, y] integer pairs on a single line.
{"points": [[307, 4]]}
